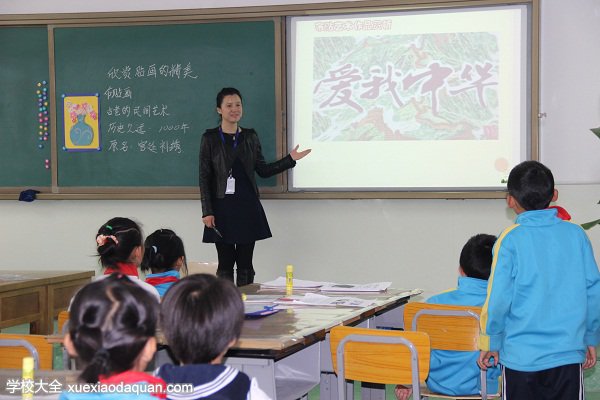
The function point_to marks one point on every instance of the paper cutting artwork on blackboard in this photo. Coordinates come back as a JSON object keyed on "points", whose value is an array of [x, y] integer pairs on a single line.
{"points": [[81, 123]]}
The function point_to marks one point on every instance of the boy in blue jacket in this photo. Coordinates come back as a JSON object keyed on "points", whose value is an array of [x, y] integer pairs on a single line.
{"points": [[541, 319], [456, 373]]}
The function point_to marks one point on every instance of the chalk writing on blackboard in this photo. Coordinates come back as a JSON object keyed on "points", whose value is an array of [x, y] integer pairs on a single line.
{"points": [[151, 71], [127, 119]]}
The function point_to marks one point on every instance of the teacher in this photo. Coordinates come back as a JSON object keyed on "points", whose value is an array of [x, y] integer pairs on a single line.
{"points": [[232, 214]]}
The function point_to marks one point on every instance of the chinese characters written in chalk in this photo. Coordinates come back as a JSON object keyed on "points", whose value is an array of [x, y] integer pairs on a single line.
{"points": [[152, 71], [149, 146], [126, 117]]}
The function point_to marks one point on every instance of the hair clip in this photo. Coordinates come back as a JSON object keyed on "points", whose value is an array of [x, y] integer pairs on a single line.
{"points": [[109, 227], [101, 239], [155, 249]]}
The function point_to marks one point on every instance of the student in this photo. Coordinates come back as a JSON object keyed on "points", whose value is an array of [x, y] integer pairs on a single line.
{"points": [[212, 312], [164, 256], [541, 318], [112, 327], [456, 373], [119, 246]]}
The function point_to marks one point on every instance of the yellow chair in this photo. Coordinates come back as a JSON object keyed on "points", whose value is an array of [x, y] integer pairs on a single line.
{"points": [[17, 346], [63, 318], [379, 356], [454, 328]]}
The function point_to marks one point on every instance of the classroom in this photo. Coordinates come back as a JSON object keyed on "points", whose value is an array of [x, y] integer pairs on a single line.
{"points": [[413, 242], [363, 239]]}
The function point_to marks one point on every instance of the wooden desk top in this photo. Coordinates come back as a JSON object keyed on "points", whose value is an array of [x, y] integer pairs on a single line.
{"points": [[281, 333], [304, 325], [13, 280]]}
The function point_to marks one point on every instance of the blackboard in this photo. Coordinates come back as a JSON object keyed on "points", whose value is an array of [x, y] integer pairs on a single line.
{"points": [[23, 64], [157, 86]]}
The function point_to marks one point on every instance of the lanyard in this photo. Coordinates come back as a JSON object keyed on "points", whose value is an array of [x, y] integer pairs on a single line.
{"points": [[235, 138]]}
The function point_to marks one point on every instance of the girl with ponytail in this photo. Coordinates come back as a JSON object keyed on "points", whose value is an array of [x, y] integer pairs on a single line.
{"points": [[164, 257], [120, 249], [112, 327]]}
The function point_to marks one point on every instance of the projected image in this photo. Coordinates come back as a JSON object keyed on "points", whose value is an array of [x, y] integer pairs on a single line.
{"points": [[429, 100], [405, 87]]}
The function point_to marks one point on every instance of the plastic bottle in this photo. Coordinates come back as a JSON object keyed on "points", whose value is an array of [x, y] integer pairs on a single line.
{"points": [[27, 382], [289, 280]]}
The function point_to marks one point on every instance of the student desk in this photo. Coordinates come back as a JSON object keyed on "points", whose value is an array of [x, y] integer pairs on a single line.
{"points": [[288, 352], [36, 297]]}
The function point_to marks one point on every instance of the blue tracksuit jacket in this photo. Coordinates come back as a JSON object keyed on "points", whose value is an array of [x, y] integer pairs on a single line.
{"points": [[543, 303], [457, 372]]}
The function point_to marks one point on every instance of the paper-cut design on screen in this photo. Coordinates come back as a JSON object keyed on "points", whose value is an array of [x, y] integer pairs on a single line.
{"points": [[81, 123], [441, 86]]}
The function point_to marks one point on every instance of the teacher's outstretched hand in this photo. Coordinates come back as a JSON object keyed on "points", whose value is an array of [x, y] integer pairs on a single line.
{"points": [[298, 155]]}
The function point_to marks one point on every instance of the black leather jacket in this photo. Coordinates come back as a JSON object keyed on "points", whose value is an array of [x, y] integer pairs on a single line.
{"points": [[216, 160]]}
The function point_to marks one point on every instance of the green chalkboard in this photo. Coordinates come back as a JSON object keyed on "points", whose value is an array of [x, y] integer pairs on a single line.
{"points": [[156, 86], [23, 64]]}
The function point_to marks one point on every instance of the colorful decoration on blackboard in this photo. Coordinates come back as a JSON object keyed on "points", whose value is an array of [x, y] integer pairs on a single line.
{"points": [[42, 116], [81, 122]]}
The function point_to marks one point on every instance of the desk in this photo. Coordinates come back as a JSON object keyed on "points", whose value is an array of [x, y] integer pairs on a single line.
{"points": [[288, 352], [36, 297]]}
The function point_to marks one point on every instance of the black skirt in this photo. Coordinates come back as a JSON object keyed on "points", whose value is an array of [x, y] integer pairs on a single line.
{"points": [[239, 217]]}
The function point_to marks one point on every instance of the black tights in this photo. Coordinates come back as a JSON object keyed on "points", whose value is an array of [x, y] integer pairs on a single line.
{"points": [[240, 254]]}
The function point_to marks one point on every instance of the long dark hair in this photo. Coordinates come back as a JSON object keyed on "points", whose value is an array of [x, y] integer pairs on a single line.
{"points": [[110, 322], [162, 249], [116, 240]]}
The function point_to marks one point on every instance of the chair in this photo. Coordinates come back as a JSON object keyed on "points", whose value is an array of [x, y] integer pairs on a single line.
{"points": [[454, 328], [63, 326], [18, 346], [63, 318], [379, 356]]}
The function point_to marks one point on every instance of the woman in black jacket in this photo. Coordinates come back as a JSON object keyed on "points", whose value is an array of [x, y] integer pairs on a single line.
{"points": [[231, 211]]}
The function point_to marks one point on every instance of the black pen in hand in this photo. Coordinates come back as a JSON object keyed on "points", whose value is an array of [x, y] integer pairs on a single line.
{"points": [[217, 231]]}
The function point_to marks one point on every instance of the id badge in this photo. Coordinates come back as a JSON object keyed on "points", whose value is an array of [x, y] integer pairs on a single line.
{"points": [[230, 188]]}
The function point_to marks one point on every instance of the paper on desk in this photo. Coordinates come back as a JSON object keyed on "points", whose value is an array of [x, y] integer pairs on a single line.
{"points": [[279, 283], [352, 287], [260, 298], [314, 299]]}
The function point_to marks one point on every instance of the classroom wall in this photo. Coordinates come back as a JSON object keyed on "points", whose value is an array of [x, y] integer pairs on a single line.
{"points": [[413, 243]]}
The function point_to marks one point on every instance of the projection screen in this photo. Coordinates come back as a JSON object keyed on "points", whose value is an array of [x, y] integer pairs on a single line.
{"points": [[425, 100]]}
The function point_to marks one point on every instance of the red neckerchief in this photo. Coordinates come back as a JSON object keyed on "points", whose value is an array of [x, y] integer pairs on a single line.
{"points": [[128, 269], [161, 279], [131, 377], [562, 213]]}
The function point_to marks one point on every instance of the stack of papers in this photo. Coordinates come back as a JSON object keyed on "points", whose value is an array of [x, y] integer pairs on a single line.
{"points": [[352, 287], [314, 299], [299, 284], [260, 298]]}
